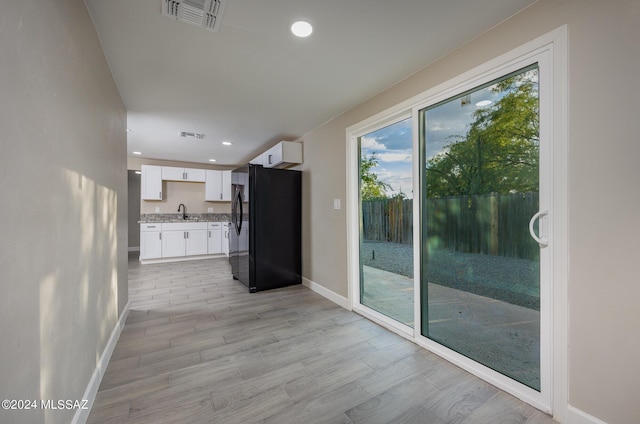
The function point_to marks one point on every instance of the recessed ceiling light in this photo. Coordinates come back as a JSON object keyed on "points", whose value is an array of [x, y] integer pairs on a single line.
{"points": [[301, 29], [212, 160], [227, 143], [137, 153], [483, 103]]}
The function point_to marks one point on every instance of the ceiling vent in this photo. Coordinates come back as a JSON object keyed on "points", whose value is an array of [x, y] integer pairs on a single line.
{"points": [[206, 14]]}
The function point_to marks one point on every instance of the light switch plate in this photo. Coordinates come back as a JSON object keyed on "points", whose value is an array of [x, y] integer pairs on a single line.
{"points": [[157, 209], [210, 210], [336, 203]]}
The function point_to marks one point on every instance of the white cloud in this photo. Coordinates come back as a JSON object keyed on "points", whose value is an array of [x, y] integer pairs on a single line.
{"points": [[399, 181], [371, 143], [399, 156]]}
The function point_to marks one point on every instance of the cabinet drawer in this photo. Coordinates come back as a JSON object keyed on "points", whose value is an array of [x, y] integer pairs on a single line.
{"points": [[150, 227], [184, 226]]}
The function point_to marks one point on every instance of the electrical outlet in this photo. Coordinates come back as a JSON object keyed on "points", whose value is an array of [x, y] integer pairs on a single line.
{"points": [[157, 209], [210, 210]]}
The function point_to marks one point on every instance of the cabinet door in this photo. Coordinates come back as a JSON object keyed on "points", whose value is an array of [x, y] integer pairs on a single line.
{"points": [[150, 244], [151, 182], [225, 239], [173, 243], [273, 156], [226, 186], [196, 242], [213, 185], [194, 175], [172, 173], [215, 243]]}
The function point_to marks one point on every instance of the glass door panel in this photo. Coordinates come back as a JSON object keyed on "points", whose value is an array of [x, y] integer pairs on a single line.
{"points": [[480, 266], [386, 221]]}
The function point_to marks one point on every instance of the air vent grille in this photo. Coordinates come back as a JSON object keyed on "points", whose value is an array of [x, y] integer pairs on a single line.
{"points": [[206, 14]]}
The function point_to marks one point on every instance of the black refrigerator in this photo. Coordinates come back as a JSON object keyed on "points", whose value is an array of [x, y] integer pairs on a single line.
{"points": [[265, 235]]}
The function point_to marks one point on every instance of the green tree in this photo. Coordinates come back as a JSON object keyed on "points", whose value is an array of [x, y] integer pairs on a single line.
{"points": [[499, 153], [370, 186]]}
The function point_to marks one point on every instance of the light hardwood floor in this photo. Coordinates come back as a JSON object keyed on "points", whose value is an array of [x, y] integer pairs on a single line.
{"points": [[198, 348]]}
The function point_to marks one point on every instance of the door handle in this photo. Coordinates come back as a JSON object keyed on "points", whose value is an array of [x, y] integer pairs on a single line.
{"points": [[541, 240]]}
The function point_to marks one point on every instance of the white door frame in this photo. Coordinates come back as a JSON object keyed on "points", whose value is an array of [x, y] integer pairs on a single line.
{"points": [[550, 51]]}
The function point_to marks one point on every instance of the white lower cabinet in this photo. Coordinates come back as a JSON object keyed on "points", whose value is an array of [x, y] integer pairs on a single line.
{"points": [[196, 242], [225, 238], [173, 243], [150, 241], [181, 239], [214, 240], [218, 238], [184, 239]]}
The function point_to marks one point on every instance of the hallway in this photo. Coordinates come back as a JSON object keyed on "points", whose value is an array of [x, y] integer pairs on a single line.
{"points": [[198, 348]]}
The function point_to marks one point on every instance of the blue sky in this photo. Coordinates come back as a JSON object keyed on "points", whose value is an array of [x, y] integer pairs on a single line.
{"points": [[393, 144], [444, 122], [393, 148]]}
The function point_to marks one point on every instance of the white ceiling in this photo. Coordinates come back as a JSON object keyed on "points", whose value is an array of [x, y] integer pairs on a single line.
{"points": [[253, 83]]}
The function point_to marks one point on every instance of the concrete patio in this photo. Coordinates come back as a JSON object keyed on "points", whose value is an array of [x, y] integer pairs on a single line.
{"points": [[500, 335]]}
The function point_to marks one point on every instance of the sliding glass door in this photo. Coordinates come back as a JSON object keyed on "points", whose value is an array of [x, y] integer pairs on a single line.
{"points": [[386, 221], [457, 220], [480, 169]]}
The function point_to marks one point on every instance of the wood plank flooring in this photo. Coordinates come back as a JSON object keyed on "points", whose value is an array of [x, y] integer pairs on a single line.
{"points": [[198, 348]]}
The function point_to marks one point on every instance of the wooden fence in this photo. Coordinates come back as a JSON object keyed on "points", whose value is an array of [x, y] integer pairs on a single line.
{"points": [[492, 224]]}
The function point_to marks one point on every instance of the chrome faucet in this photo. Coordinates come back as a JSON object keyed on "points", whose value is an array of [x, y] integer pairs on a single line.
{"points": [[184, 210]]}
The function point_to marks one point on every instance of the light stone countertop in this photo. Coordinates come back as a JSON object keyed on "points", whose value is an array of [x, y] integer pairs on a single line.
{"points": [[149, 218]]}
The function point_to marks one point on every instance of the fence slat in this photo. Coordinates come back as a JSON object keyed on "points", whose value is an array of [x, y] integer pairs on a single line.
{"points": [[492, 224]]}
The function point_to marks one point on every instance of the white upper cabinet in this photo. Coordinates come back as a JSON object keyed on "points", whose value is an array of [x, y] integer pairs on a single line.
{"points": [[151, 182], [218, 186], [226, 185], [172, 174], [195, 175], [282, 155], [183, 174]]}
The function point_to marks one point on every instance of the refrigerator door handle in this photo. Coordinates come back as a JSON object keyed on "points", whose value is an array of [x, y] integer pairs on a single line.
{"points": [[241, 211], [233, 207]]}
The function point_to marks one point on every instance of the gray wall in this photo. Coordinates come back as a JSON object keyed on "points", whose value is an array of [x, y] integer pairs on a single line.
{"points": [[134, 209], [63, 173], [604, 200]]}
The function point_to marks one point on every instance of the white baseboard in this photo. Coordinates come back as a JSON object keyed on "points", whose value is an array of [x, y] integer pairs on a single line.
{"points": [[91, 391], [574, 415], [325, 292]]}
